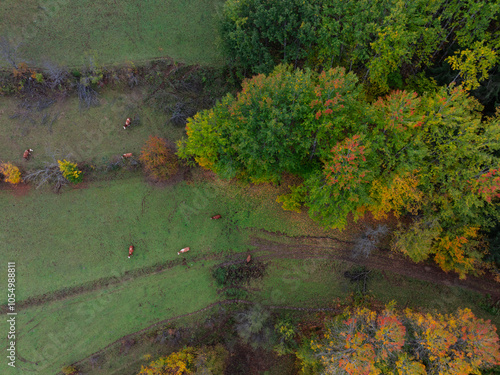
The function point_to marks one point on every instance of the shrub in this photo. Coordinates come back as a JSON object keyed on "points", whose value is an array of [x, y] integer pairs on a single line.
{"points": [[159, 161], [286, 332], [11, 173], [236, 274], [178, 363], [254, 327], [211, 360], [70, 171]]}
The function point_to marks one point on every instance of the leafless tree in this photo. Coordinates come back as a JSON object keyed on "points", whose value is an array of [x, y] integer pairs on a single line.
{"points": [[50, 174], [87, 95], [369, 240], [56, 75]]}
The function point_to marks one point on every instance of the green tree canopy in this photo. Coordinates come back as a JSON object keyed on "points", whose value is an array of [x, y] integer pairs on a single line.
{"points": [[277, 123]]}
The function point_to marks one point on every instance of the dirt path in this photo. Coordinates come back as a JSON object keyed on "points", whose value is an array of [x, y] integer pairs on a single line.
{"points": [[330, 248], [279, 246]]}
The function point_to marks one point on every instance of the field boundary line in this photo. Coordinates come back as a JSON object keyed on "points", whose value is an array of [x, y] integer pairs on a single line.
{"points": [[214, 304]]}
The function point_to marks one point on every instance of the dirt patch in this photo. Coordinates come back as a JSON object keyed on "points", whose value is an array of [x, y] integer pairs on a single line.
{"points": [[19, 190], [246, 361]]}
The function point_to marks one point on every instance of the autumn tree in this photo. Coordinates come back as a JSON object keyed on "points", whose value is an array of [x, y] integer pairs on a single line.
{"points": [[11, 173], [177, 363], [189, 360], [436, 159], [343, 186], [362, 341], [70, 171], [279, 123], [159, 161]]}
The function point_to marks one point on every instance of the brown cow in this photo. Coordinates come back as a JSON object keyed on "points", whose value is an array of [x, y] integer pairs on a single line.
{"points": [[185, 250], [127, 155], [249, 258], [130, 250], [127, 123], [216, 217], [27, 154]]}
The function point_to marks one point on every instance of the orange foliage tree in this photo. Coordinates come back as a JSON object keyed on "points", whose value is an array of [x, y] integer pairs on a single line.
{"points": [[363, 342], [11, 173], [158, 160]]}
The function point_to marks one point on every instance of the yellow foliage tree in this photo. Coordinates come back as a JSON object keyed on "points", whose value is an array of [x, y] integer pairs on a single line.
{"points": [[366, 342], [459, 252], [11, 173], [473, 65], [177, 363], [70, 171], [398, 196]]}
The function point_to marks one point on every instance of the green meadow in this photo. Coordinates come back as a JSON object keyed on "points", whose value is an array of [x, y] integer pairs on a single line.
{"points": [[112, 32]]}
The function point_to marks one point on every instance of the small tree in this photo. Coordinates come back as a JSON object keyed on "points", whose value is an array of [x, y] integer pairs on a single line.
{"points": [[177, 363], [159, 161], [11, 173], [70, 171], [254, 328]]}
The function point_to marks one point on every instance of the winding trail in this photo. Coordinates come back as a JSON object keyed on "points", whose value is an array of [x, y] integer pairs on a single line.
{"points": [[280, 246], [268, 247], [331, 248]]}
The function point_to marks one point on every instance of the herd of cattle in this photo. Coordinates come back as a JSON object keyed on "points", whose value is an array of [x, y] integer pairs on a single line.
{"points": [[128, 122]]}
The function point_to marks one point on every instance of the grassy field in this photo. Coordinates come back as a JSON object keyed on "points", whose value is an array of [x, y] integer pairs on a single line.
{"points": [[82, 235], [112, 32], [65, 331], [95, 135]]}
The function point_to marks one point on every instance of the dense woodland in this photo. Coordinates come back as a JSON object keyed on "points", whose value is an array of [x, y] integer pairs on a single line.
{"points": [[381, 107]]}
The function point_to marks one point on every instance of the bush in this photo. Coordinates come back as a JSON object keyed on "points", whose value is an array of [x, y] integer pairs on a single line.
{"points": [[159, 161], [178, 363], [211, 360], [70, 171], [286, 332], [236, 274], [254, 327], [11, 173]]}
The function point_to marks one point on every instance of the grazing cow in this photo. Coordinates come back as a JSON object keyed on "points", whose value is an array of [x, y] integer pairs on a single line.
{"points": [[27, 154], [127, 123], [127, 155], [216, 217], [185, 250], [249, 258], [130, 250]]}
